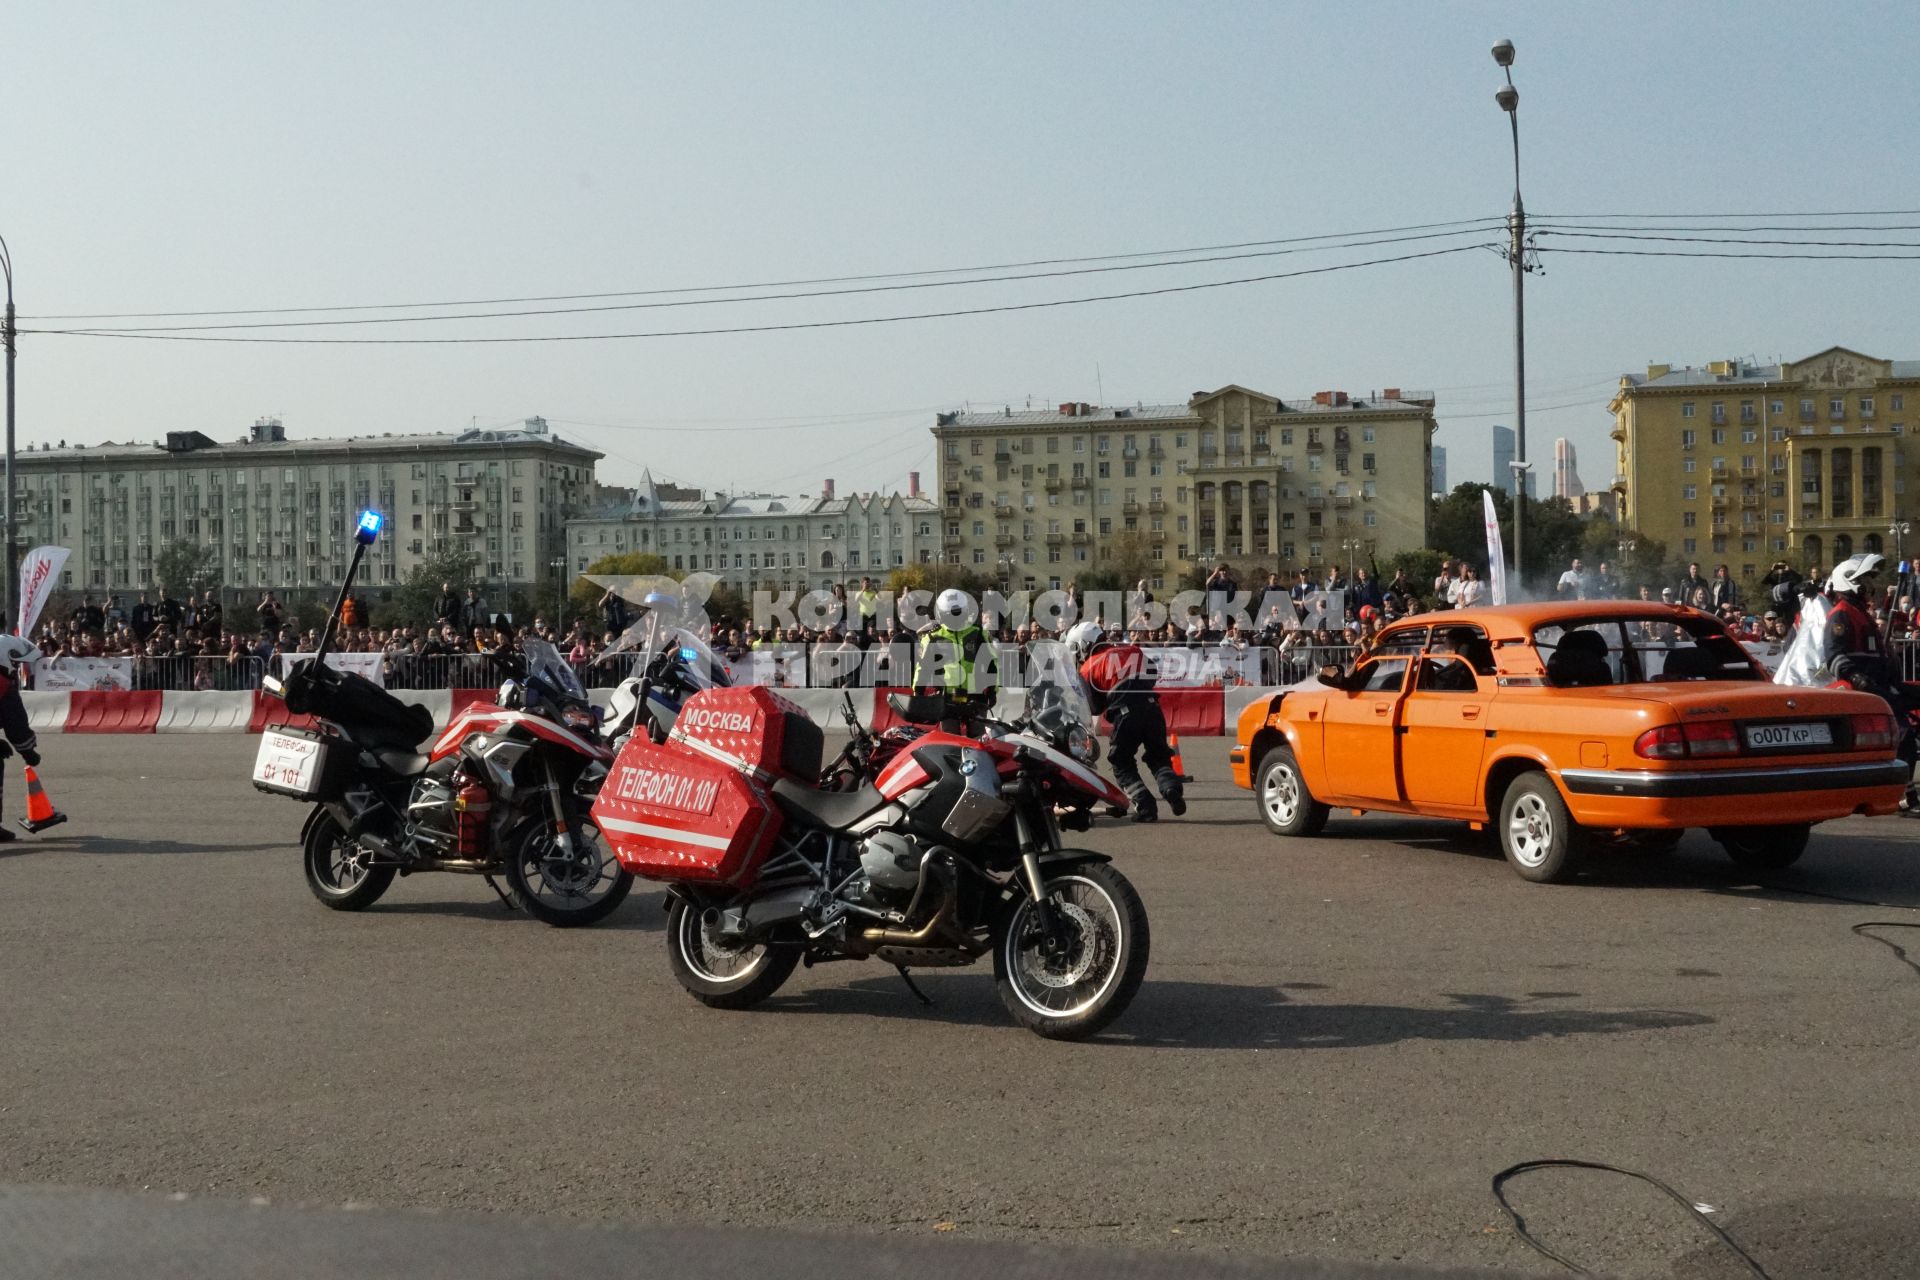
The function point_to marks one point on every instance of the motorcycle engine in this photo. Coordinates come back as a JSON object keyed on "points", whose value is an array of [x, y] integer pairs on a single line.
{"points": [[890, 866], [430, 817]]}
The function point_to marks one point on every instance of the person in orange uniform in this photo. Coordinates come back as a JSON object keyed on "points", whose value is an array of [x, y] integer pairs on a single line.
{"points": [[1121, 687]]}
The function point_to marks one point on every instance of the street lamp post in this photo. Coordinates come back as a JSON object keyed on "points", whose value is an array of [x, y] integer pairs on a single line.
{"points": [[559, 567], [7, 336], [1509, 99]]}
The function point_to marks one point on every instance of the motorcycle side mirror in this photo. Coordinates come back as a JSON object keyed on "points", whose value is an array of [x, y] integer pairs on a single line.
{"points": [[1333, 676]]}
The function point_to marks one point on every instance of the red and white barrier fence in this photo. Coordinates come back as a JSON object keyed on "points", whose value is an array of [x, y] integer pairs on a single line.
{"points": [[1191, 713]]}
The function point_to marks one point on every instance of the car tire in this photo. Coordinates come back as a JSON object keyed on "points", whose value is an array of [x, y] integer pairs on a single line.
{"points": [[1537, 831], [1286, 806], [1764, 848]]}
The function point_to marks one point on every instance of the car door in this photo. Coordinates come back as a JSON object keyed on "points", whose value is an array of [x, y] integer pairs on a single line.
{"points": [[1357, 734], [1443, 732]]}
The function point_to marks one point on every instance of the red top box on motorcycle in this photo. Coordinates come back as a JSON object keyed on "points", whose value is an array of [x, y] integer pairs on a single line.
{"points": [[698, 809]]}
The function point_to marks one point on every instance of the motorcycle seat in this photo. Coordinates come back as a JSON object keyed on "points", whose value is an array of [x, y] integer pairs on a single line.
{"points": [[404, 763], [833, 810]]}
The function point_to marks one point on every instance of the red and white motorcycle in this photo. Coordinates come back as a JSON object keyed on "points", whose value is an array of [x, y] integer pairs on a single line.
{"points": [[954, 851]]}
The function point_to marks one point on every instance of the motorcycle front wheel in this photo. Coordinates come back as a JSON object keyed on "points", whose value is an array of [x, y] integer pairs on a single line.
{"points": [[721, 976], [1070, 986], [565, 892], [341, 873]]}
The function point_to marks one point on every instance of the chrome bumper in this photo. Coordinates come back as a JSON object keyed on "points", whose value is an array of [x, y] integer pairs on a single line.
{"points": [[1679, 783]]}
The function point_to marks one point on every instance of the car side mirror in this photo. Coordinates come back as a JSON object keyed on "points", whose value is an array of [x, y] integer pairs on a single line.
{"points": [[1333, 676]]}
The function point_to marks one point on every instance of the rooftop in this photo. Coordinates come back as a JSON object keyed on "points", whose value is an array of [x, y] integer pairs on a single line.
{"points": [[1077, 413], [271, 442]]}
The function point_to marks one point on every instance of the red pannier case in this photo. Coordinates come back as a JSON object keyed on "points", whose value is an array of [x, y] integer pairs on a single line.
{"points": [[697, 809]]}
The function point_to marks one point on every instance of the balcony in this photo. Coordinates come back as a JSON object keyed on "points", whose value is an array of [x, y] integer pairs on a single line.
{"points": [[1130, 452], [1316, 504], [1054, 484], [951, 541], [1056, 538], [1156, 451], [1003, 539], [1003, 509], [1342, 500], [1314, 446], [1081, 482], [1750, 500], [1081, 537], [1157, 507], [1130, 508], [1719, 470]]}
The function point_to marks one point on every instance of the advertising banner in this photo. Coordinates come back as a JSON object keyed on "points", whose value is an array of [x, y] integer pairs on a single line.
{"points": [[1496, 552], [39, 575], [56, 675], [370, 665]]}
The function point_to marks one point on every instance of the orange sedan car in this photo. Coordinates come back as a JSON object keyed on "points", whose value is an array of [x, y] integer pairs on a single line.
{"points": [[1564, 722]]}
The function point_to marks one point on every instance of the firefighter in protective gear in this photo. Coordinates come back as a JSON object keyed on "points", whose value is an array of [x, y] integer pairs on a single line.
{"points": [[1121, 686], [949, 652], [1850, 624], [15, 652]]}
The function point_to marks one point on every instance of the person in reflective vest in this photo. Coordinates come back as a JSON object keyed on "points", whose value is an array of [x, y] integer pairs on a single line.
{"points": [[866, 607], [948, 653], [1121, 687]]}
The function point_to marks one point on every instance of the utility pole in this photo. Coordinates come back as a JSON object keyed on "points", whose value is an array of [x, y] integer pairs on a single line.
{"points": [[1508, 98], [8, 338]]}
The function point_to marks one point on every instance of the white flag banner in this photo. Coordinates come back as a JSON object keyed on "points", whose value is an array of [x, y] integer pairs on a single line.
{"points": [[1496, 552], [53, 674], [370, 665], [39, 574]]}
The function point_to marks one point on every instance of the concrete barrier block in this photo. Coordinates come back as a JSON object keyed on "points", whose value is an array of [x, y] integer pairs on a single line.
{"points": [[46, 712], [204, 711]]}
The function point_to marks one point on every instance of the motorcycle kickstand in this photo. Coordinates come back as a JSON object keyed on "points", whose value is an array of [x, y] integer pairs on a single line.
{"points": [[912, 986], [506, 898]]}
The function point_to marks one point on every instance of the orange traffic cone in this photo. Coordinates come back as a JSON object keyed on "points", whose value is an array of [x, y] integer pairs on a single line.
{"points": [[1179, 766], [40, 811]]}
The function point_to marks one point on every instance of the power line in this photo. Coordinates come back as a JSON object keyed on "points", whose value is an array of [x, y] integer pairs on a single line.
{"points": [[1623, 227], [767, 328], [1507, 413], [780, 297], [771, 284], [1661, 217], [1812, 244], [1683, 253]]}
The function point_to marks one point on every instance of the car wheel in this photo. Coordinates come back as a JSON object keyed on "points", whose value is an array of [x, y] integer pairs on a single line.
{"points": [[1286, 806], [1764, 848], [1537, 832]]}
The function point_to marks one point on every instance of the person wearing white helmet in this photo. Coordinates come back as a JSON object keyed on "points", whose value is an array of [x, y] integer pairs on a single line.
{"points": [[1120, 685], [948, 649], [1850, 624]]}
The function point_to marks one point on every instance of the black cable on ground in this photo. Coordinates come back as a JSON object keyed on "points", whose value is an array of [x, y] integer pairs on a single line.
{"points": [[1532, 1166], [1899, 952]]}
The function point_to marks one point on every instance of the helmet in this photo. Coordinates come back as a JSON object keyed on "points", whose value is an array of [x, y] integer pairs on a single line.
{"points": [[1848, 574], [953, 608], [1368, 613], [1081, 638]]}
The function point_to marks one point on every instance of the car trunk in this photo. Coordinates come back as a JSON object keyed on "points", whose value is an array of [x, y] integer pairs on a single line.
{"points": [[1736, 724]]}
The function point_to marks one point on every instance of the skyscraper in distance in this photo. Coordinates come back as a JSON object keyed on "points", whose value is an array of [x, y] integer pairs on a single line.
{"points": [[1503, 459], [1566, 473], [1439, 470]]}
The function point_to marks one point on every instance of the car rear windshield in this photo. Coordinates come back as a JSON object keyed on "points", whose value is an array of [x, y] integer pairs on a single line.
{"points": [[1659, 648]]}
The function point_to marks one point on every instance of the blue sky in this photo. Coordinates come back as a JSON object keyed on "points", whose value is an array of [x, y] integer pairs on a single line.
{"points": [[199, 156]]}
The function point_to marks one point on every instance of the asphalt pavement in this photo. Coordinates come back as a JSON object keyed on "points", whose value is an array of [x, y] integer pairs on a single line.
{"points": [[1339, 1042]]}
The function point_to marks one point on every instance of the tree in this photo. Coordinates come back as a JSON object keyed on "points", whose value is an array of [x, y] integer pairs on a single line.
{"points": [[187, 566], [1128, 558], [1457, 528], [583, 598], [1421, 568], [413, 599], [935, 578]]}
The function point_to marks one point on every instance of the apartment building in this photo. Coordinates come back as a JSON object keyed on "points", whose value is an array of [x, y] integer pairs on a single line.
{"points": [[771, 542], [1745, 463], [1036, 497], [280, 513]]}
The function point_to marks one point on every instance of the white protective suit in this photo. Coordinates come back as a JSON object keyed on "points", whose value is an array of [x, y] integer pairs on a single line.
{"points": [[1807, 652]]}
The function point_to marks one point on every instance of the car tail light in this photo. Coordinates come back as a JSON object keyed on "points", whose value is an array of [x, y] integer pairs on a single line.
{"points": [[1713, 738], [1700, 738], [1873, 730], [1663, 743]]}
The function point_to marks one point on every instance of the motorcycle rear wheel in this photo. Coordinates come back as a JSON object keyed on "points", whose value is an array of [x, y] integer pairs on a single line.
{"points": [[341, 873], [566, 894], [718, 976], [1077, 993]]}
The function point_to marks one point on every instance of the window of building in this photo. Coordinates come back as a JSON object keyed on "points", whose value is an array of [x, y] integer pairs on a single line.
{"points": [[1686, 409], [1748, 435], [1690, 492], [1687, 438], [1719, 435], [1690, 545], [1688, 519], [1688, 464]]}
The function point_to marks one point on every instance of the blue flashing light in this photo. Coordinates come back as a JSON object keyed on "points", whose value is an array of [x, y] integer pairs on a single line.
{"points": [[369, 527], [689, 655]]}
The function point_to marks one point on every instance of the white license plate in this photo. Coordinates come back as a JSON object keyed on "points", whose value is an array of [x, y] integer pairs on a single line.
{"points": [[1772, 737], [287, 763]]}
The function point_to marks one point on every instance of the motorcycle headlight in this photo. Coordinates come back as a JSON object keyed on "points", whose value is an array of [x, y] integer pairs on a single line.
{"points": [[1081, 746]]}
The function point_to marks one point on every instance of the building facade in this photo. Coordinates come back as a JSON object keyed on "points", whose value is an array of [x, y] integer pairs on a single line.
{"points": [[279, 514], [1566, 472], [764, 541], [1036, 498], [1745, 464]]}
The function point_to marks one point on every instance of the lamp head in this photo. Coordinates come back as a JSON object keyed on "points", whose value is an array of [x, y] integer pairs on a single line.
{"points": [[1508, 97], [368, 529], [1503, 53]]}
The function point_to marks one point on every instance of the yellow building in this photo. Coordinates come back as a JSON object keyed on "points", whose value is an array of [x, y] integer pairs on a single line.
{"points": [[1744, 464], [1035, 498]]}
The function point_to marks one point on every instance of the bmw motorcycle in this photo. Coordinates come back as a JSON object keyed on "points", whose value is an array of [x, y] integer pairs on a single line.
{"points": [[505, 791], [953, 852], [673, 664]]}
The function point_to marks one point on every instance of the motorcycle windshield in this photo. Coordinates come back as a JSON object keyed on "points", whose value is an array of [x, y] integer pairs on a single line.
{"points": [[545, 662], [1057, 701], [698, 663]]}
